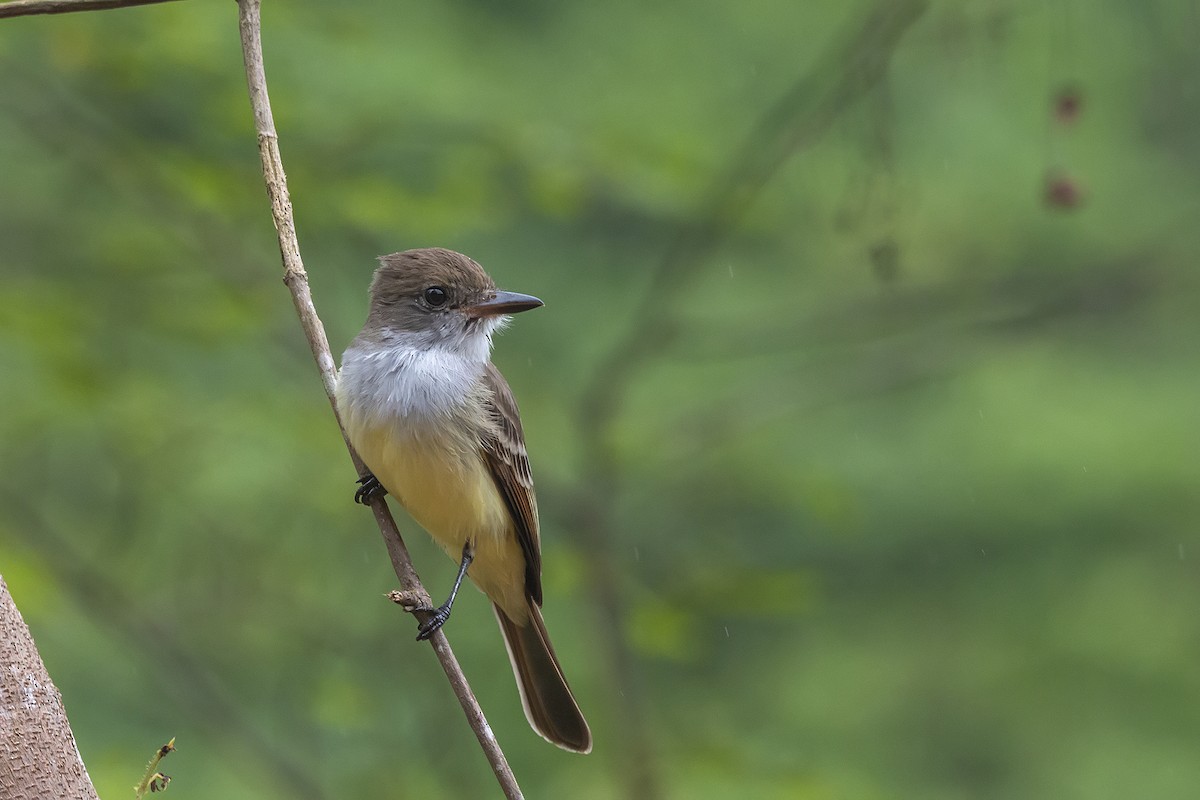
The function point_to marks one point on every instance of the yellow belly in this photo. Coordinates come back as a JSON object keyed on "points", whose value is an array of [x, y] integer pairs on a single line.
{"points": [[446, 487]]}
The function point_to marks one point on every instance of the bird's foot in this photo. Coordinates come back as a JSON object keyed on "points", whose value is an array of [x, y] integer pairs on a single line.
{"points": [[369, 490], [436, 620]]}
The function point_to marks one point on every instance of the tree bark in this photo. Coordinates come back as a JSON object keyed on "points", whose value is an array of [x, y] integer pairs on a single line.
{"points": [[26, 8], [38, 756]]}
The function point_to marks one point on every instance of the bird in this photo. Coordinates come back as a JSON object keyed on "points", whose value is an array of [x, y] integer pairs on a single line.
{"points": [[437, 426]]}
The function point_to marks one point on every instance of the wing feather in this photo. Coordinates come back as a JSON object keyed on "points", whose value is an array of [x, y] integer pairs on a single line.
{"points": [[504, 450]]}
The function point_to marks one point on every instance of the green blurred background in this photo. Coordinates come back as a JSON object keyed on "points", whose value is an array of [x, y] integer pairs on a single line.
{"points": [[863, 407]]}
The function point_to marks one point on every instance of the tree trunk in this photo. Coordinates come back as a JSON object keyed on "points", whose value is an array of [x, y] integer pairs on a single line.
{"points": [[38, 756]]}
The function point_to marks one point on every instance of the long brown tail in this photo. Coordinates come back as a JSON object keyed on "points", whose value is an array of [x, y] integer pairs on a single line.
{"points": [[549, 704]]}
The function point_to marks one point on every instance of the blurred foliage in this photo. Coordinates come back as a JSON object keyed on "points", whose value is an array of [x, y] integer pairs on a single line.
{"points": [[894, 494]]}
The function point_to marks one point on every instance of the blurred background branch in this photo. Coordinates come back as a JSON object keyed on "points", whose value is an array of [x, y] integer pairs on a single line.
{"points": [[850, 68]]}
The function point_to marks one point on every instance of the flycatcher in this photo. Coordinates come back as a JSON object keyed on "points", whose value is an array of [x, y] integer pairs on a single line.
{"points": [[438, 427]]}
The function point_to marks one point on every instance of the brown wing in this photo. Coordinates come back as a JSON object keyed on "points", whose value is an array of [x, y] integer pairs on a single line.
{"points": [[509, 464]]}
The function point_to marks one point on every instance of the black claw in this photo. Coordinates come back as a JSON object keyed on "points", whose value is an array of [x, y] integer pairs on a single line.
{"points": [[370, 489], [436, 620], [440, 614]]}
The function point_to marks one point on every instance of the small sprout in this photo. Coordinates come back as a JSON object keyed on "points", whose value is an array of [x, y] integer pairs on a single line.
{"points": [[409, 601]]}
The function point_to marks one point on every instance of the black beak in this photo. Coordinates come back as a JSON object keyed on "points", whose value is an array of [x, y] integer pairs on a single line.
{"points": [[503, 303]]}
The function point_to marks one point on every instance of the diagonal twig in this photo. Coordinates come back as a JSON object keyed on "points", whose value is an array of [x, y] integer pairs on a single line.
{"points": [[297, 281], [26, 8]]}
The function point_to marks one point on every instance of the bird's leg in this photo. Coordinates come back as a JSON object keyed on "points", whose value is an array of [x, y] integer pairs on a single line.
{"points": [[369, 490], [442, 613]]}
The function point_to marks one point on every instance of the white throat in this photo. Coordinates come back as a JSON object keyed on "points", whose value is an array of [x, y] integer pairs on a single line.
{"points": [[409, 376]]}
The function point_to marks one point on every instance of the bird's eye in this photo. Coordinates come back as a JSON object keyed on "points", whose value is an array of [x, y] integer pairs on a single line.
{"points": [[436, 296]]}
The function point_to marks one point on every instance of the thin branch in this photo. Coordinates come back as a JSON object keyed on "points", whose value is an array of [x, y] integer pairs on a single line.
{"points": [[297, 281], [26, 8]]}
